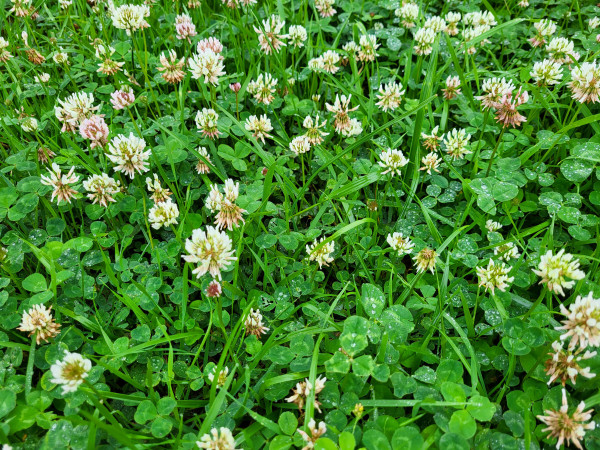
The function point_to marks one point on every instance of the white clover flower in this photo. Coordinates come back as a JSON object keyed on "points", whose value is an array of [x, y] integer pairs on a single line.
{"points": [[217, 439], [546, 73], [206, 122], [582, 322], [390, 96], [207, 64], [494, 276], [452, 19], [329, 61], [159, 193], [263, 88], [128, 154], [452, 87], [163, 214], [29, 124], [544, 29], [74, 109], [101, 189], [221, 379], [435, 23], [300, 145], [585, 82], [259, 126], [70, 372], [184, 27], [431, 162], [315, 433], [367, 48], [402, 245], [424, 38], [561, 50], [507, 251], [408, 13], [321, 255], [211, 249], [594, 23], [495, 89], [392, 160], [559, 271], [456, 142], [354, 128], [313, 130], [297, 36], [129, 17], [491, 225]]}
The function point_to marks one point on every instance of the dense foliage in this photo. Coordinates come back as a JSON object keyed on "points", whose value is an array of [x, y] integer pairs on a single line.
{"points": [[299, 224]]}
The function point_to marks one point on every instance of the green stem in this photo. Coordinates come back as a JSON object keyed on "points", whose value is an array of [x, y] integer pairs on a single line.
{"points": [[30, 361], [487, 172]]}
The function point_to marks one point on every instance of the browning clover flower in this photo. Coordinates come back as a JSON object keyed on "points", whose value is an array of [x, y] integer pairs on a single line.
{"points": [[341, 108], [254, 325], [564, 364], [567, 428], [95, 129], [303, 389], [211, 249], [325, 7], [425, 260], [229, 214], [61, 183], [452, 88], [38, 320], [202, 167], [313, 130], [315, 433], [123, 98], [171, 69], [159, 194], [184, 27], [270, 37]]}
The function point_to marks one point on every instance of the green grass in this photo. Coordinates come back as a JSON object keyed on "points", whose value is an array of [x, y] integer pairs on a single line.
{"points": [[433, 358]]}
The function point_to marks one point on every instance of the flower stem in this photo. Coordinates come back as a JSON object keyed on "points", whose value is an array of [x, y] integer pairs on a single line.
{"points": [[487, 172], [30, 361]]}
